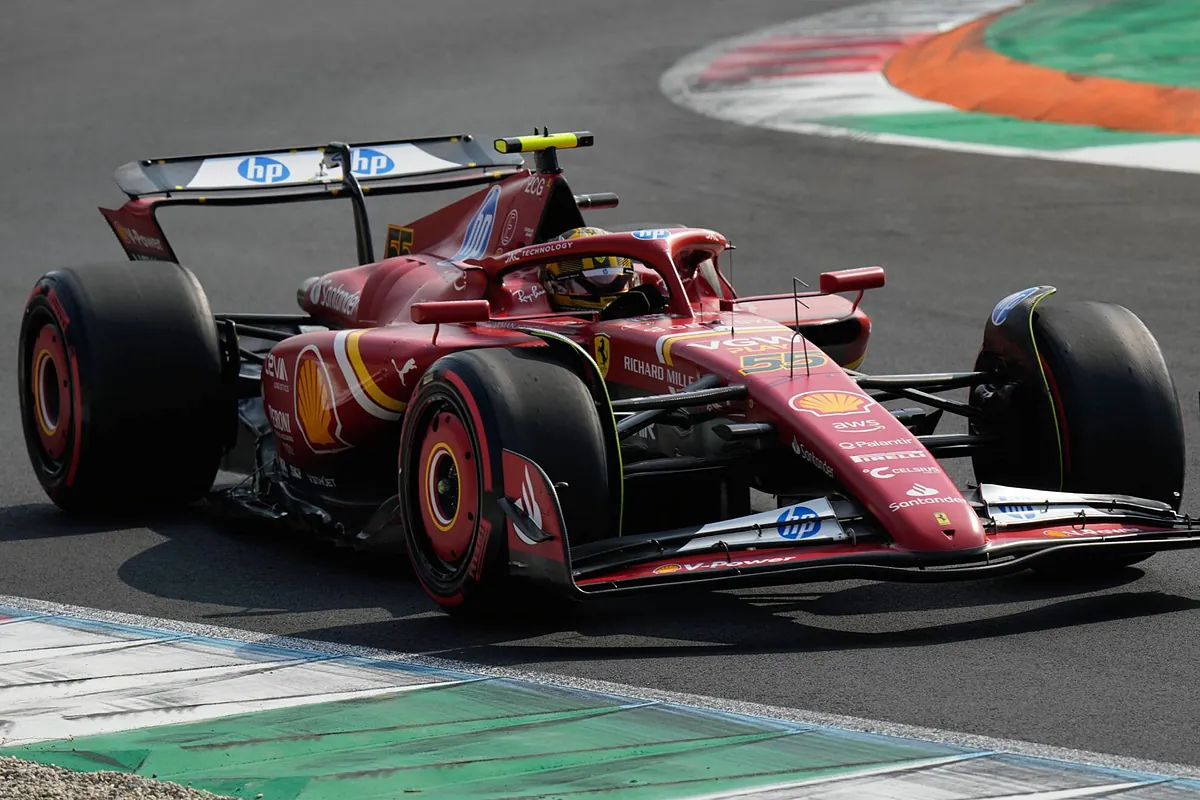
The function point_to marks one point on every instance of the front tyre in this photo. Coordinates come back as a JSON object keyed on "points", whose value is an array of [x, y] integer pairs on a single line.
{"points": [[469, 408], [1112, 423]]}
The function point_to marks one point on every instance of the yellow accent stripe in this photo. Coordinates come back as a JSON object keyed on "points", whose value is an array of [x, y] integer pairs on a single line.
{"points": [[858, 363], [671, 340], [1049, 394], [364, 376], [616, 445], [440, 447]]}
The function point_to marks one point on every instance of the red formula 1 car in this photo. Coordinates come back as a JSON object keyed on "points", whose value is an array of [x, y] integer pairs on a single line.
{"points": [[435, 400]]}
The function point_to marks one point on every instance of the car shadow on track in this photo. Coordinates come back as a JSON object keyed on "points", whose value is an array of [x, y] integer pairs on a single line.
{"points": [[743, 624], [280, 582]]}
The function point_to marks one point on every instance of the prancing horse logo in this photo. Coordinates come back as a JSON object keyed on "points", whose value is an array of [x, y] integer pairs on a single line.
{"points": [[603, 350]]}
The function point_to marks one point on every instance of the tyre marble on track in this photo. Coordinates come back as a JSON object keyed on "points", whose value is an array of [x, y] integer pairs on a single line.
{"points": [[1105, 667]]}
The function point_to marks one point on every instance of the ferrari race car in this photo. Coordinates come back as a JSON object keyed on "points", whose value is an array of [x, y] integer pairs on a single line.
{"points": [[434, 400]]}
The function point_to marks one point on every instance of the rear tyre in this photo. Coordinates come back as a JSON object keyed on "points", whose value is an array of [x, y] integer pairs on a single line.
{"points": [[470, 407], [1115, 412], [121, 392]]}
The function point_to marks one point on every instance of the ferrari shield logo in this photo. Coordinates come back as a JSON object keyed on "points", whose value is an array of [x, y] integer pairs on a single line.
{"points": [[603, 350], [942, 519]]}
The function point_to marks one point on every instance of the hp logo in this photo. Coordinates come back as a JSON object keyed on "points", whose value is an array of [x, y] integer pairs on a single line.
{"points": [[261, 169], [1020, 512], [798, 522], [372, 162]]}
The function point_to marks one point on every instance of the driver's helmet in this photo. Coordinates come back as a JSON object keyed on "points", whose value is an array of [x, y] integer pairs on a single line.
{"points": [[590, 282]]}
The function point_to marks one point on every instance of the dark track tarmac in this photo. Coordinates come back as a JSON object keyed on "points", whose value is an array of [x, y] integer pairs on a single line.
{"points": [[88, 86]]}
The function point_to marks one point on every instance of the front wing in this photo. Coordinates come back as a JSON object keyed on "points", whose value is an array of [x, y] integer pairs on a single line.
{"points": [[1026, 528]]}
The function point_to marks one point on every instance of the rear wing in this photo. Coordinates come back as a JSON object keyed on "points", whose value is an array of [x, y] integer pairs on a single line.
{"points": [[259, 176], [296, 174]]}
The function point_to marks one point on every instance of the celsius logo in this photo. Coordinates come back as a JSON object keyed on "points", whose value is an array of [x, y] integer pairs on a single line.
{"points": [[261, 169], [479, 229], [371, 162], [891, 472]]}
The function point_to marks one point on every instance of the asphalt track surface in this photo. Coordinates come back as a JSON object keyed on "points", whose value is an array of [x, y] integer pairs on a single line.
{"points": [[1099, 666]]}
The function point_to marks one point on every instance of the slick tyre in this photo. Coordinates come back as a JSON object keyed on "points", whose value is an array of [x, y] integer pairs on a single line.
{"points": [[470, 407], [1114, 424], [120, 383]]}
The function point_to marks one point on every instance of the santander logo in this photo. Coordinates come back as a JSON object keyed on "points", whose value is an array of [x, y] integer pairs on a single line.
{"points": [[921, 491]]}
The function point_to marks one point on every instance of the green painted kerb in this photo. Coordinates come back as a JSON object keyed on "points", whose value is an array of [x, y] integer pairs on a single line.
{"points": [[485, 739], [1152, 41], [994, 130]]}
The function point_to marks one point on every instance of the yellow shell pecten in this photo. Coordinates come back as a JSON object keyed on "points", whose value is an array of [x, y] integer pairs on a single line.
{"points": [[831, 402], [314, 403]]}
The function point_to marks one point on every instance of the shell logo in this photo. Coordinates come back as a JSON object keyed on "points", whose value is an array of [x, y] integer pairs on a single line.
{"points": [[315, 408], [832, 404], [667, 569]]}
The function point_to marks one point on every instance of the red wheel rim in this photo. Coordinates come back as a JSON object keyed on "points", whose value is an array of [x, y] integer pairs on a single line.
{"points": [[50, 386], [448, 488]]}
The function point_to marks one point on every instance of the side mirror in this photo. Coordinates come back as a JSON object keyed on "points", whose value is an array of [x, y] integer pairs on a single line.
{"points": [[445, 311], [852, 280]]}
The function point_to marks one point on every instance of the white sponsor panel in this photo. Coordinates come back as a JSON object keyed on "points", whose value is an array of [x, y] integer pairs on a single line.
{"points": [[812, 520], [307, 166], [895, 455], [1017, 507]]}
